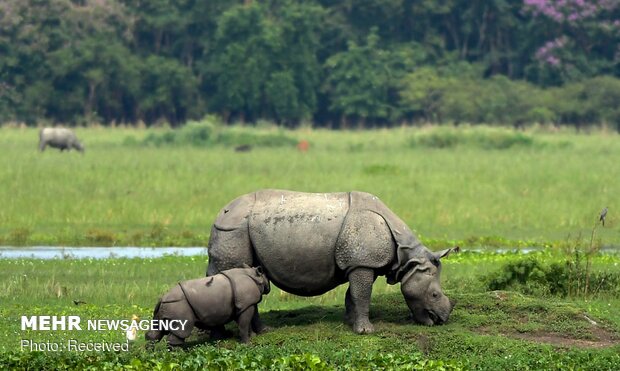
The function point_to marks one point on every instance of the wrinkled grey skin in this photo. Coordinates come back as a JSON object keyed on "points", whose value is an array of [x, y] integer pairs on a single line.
{"points": [[210, 302], [60, 138], [309, 243]]}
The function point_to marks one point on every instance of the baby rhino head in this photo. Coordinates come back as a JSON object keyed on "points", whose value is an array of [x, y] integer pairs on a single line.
{"points": [[258, 276], [261, 280]]}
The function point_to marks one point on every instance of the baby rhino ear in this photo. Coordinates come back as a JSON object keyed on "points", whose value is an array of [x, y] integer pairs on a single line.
{"points": [[209, 281]]}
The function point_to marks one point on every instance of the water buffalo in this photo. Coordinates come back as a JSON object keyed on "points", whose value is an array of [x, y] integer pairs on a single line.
{"points": [[60, 138], [309, 243]]}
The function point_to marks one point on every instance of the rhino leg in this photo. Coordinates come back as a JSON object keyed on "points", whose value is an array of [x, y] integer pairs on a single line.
{"points": [[257, 325], [219, 333], [229, 249], [357, 300], [155, 335], [244, 321]]}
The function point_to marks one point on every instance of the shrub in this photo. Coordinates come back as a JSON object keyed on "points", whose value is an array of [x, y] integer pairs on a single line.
{"points": [[439, 139], [100, 237], [234, 138], [478, 137], [19, 236], [532, 277], [207, 133]]}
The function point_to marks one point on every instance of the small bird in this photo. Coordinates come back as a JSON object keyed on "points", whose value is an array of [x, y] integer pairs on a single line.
{"points": [[132, 330], [78, 302], [603, 216]]}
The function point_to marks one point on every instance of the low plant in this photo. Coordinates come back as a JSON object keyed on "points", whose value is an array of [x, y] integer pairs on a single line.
{"points": [[488, 139], [209, 133], [574, 277]]}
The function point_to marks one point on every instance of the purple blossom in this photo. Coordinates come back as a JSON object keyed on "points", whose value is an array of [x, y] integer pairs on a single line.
{"points": [[548, 53], [569, 10], [571, 14]]}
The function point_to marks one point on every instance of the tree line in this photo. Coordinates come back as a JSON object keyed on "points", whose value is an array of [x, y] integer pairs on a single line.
{"points": [[333, 63]]}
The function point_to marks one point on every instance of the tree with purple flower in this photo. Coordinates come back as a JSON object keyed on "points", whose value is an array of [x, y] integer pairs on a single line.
{"points": [[580, 35]]}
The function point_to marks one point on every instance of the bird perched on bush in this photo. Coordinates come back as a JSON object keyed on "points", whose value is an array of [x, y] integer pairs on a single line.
{"points": [[603, 216]]}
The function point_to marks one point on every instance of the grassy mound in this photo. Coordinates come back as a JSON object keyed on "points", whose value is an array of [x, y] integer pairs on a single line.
{"points": [[478, 137], [208, 133]]}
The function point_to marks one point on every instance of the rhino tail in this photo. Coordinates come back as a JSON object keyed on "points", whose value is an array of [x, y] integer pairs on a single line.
{"points": [[229, 244]]}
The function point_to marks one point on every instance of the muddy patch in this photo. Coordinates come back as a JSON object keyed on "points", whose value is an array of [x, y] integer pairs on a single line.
{"points": [[599, 337]]}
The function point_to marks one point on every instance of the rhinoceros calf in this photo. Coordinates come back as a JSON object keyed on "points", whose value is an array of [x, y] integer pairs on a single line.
{"points": [[309, 243], [60, 138], [210, 302]]}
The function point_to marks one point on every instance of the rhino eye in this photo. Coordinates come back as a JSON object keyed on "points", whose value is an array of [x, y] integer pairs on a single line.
{"points": [[435, 294]]}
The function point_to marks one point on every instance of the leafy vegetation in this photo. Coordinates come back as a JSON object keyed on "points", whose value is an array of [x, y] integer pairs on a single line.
{"points": [[209, 133], [336, 64], [488, 329], [480, 138], [533, 277]]}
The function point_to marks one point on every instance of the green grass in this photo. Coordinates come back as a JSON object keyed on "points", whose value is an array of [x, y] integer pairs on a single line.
{"points": [[472, 186], [487, 330], [493, 187]]}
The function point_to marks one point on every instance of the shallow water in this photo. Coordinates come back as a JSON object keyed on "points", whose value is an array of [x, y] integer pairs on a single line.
{"points": [[53, 252]]}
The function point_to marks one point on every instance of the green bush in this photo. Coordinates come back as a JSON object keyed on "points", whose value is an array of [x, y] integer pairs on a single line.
{"points": [[477, 137], [207, 133], [532, 277], [234, 138], [500, 139], [498, 100], [439, 139], [196, 133]]}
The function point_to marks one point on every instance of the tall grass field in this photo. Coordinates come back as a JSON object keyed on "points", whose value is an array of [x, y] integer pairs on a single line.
{"points": [[474, 186], [484, 189]]}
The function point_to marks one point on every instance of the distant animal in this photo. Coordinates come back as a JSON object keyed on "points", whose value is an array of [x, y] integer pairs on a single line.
{"points": [[303, 146], [61, 138], [309, 243], [209, 303], [603, 216], [243, 148]]}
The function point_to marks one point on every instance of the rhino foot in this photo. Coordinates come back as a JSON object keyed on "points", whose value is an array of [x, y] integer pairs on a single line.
{"points": [[363, 327]]}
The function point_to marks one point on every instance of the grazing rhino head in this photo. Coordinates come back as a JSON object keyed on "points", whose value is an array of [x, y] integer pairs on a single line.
{"points": [[420, 286]]}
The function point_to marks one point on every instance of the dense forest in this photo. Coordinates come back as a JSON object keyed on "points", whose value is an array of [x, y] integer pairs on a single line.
{"points": [[332, 63]]}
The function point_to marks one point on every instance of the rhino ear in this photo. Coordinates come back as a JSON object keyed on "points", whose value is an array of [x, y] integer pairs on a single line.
{"points": [[446, 252], [411, 265], [245, 266]]}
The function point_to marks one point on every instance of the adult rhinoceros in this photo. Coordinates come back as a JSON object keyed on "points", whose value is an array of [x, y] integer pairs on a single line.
{"points": [[60, 138], [309, 243]]}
